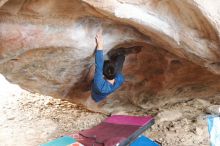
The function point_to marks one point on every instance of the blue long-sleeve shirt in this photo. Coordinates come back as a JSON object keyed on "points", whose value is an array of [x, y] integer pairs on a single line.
{"points": [[101, 88]]}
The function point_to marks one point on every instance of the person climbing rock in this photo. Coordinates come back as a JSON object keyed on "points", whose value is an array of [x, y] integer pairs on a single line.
{"points": [[108, 75]]}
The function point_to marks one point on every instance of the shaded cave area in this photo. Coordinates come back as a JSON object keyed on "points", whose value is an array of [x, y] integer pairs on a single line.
{"points": [[153, 77]]}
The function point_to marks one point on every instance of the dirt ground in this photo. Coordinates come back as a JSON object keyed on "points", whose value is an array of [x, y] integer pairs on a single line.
{"points": [[29, 119]]}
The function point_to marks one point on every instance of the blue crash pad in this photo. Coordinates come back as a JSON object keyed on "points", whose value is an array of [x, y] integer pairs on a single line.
{"points": [[62, 141], [214, 130], [144, 141]]}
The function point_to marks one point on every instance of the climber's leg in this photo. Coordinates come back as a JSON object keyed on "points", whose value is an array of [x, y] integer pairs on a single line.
{"points": [[124, 51], [119, 61]]}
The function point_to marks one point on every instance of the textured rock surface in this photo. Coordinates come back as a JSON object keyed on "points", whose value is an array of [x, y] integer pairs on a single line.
{"points": [[47, 46]]}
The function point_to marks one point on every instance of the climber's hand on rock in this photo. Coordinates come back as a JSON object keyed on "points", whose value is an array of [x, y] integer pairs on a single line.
{"points": [[99, 40]]}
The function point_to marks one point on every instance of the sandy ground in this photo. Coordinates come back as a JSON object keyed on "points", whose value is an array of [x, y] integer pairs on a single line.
{"points": [[29, 119]]}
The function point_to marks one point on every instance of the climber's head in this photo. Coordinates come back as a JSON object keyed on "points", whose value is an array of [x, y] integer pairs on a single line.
{"points": [[109, 70]]}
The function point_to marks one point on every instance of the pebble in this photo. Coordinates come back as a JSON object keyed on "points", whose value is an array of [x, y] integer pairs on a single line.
{"points": [[11, 118], [204, 103], [30, 118], [185, 120], [198, 131], [213, 109], [8, 107], [169, 115], [48, 103]]}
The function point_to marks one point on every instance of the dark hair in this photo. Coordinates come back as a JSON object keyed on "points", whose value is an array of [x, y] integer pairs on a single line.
{"points": [[109, 70]]}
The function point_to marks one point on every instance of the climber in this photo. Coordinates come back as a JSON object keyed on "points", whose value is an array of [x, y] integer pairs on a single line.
{"points": [[108, 75]]}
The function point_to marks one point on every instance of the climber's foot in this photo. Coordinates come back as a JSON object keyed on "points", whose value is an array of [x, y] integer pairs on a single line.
{"points": [[92, 106]]}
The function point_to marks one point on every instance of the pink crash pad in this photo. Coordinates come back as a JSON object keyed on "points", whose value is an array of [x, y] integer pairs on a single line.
{"points": [[117, 129], [129, 120]]}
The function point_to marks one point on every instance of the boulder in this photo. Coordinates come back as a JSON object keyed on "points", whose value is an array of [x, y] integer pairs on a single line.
{"points": [[47, 46]]}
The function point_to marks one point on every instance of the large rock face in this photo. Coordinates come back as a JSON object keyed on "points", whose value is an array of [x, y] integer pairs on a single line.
{"points": [[47, 46]]}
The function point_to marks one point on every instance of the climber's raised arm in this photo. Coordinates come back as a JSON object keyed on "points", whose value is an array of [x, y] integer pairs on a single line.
{"points": [[99, 61], [99, 40]]}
